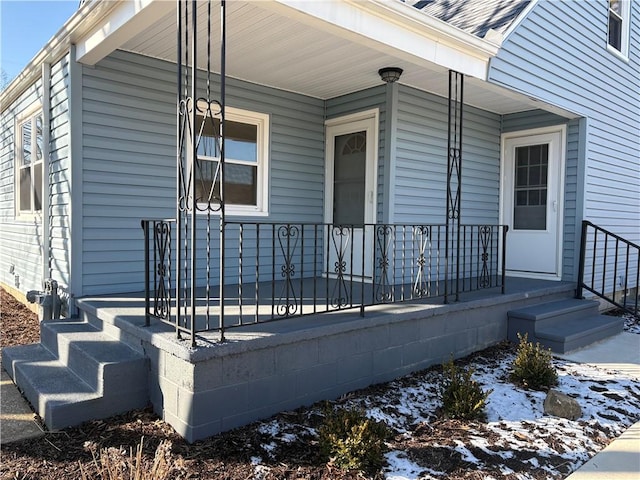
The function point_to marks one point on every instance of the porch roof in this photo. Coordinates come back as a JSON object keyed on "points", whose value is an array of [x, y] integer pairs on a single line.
{"points": [[323, 49]]}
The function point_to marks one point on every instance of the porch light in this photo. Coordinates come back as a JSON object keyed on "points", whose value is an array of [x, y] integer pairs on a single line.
{"points": [[390, 74]]}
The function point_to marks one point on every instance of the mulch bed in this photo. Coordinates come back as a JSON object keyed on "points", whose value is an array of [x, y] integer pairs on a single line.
{"points": [[231, 455]]}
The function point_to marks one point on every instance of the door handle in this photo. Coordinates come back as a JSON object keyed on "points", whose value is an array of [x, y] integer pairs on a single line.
{"points": [[555, 205]]}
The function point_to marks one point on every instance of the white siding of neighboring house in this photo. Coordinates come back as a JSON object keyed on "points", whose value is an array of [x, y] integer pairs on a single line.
{"points": [[20, 238], [559, 54]]}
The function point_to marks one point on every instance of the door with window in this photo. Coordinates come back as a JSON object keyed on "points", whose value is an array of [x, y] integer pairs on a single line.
{"points": [[533, 165], [350, 193]]}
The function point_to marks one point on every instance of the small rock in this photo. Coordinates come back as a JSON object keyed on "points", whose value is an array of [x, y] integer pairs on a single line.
{"points": [[560, 405]]}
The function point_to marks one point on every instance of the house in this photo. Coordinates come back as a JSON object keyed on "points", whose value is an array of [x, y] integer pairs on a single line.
{"points": [[373, 152]]}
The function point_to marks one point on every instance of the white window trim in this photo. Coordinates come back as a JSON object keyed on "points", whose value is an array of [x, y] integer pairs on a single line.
{"points": [[23, 117], [626, 30], [261, 120]]}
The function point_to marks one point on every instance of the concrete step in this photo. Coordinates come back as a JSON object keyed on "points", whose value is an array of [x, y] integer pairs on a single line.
{"points": [[562, 325], [548, 312], [576, 333], [64, 399], [529, 319], [96, 358]]}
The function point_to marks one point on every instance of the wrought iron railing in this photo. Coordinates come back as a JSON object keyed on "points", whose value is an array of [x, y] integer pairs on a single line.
{"points": [[609, 267], [157, 272], [275, 270]]}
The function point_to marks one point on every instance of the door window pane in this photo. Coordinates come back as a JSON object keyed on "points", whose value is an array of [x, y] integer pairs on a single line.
{"points": [[349, 172], [530, 191]]}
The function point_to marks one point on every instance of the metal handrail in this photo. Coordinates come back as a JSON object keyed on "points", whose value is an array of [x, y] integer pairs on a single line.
{"points": [[607, 273], [286, 270]]}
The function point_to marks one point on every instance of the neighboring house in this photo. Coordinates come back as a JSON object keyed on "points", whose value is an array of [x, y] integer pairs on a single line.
{"points": [[549, 136]]}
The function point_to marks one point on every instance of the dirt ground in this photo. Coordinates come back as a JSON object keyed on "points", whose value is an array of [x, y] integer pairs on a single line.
{"points": [[60, 455]]}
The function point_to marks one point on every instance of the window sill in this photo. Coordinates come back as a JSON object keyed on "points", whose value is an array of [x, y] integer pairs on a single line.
{"points": [[28, 217], [239, 212], [617, 53]]}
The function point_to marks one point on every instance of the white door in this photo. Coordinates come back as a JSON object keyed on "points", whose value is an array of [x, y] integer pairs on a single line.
{"points": [[350, 193], [532, 198]]}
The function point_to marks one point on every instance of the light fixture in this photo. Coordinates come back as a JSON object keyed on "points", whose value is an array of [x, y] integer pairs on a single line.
{"points": [[390, 74]]}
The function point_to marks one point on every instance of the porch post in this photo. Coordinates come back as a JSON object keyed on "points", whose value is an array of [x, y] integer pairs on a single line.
{"points": [[454, 183], [180, 190], [223, 66], [192, 167], [186, 169]]}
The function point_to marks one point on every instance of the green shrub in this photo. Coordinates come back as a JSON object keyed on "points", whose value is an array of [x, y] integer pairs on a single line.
{"points": [[350, 440], [461, 396], [533, 367]]}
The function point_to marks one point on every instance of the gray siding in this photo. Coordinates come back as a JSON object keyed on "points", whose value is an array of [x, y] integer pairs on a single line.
{"points": [[559, 54], [129, 161], [421, 164], [20, 238]]}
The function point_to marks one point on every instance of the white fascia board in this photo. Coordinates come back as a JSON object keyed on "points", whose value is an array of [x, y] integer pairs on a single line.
{"points": [[129, 18], [391, 23]]}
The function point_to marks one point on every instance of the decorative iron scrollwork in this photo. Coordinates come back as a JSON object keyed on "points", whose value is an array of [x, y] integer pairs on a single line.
{"points": [[185, 173], [485, 234], [208, 145], [162, 270], [288, 237], [341, 238], [421, 283], [384, 289]]}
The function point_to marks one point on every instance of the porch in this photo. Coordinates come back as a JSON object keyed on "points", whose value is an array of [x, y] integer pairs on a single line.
{"points": [[263, 368]]}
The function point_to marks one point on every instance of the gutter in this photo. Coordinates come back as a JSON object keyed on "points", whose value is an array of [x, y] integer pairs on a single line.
{"points": [[91, 12]]}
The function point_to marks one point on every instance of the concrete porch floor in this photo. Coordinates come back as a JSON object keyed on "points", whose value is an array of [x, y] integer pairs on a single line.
{"points": [[255, 318]]}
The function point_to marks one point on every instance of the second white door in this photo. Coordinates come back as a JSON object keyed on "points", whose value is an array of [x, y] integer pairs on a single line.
{"points": [[533, 179]]}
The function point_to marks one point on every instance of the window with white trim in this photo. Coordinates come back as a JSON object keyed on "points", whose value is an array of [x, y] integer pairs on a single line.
{"points": [[29, 155], [246, 145], [619, 21]]}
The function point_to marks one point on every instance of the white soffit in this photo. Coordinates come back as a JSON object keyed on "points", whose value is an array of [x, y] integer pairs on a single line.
{"points": [[322, 49], [387, 26]]}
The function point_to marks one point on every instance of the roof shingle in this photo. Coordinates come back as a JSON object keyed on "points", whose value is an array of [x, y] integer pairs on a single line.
{"points": [[473, 16]]}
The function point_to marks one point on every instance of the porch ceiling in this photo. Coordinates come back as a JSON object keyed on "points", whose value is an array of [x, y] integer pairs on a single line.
{"points": [[279, 46]]}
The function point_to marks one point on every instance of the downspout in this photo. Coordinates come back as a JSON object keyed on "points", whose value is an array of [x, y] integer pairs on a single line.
{"points": [[581, 185], [74, 284], [46, 171]]}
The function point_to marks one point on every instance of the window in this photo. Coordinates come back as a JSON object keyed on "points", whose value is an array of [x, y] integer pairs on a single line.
{"points": [[619, 19], [29, 148], [530, 188], [246, 161]]}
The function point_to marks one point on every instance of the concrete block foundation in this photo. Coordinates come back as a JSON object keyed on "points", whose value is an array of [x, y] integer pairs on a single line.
{"points": [[272, 367]]}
